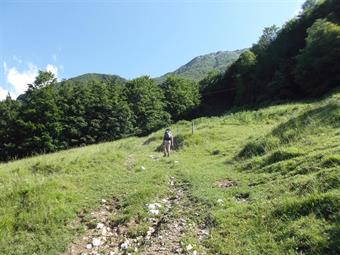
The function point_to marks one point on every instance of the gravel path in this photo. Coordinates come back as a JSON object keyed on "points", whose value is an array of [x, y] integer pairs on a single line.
{"points": [[164, 235]]}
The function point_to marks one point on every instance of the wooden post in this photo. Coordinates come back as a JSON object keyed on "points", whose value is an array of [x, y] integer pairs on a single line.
{"points": [[193, 127]]}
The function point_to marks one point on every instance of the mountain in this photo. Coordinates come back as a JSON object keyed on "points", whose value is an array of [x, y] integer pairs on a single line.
{"points": [[196, 69], [98, 77], [200, 66]]}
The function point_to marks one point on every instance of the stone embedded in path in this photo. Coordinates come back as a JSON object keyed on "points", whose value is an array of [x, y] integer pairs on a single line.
{"points": [[224, 184], [100, 225], [189, 247], [153, 208], [96, 242], [89, 246], [154, 211], [125, 245]]}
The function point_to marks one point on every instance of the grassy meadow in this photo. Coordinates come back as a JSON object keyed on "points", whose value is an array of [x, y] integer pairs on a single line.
{"points": [[282, 163]]}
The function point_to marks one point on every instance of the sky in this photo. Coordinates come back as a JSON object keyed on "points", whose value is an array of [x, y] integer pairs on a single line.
{"points": [[129, 38]]}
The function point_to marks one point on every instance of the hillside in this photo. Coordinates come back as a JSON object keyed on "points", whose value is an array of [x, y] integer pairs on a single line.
{"points": [[98, 77], [196, 69], [249, 182], [200, 66]]}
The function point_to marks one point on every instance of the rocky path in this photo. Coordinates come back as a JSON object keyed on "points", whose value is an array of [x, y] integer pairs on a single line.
{"points": [[167, 222]]}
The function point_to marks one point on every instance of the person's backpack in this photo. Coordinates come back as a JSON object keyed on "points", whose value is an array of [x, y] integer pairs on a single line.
{"points": [[167, 136]]}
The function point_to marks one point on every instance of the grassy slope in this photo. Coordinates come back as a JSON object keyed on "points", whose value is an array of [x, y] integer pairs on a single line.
{"points": [[284, 160]]}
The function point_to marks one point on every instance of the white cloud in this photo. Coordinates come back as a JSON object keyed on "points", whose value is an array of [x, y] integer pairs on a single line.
{"points": [[53, 69], [3, 93], [19, 80]]}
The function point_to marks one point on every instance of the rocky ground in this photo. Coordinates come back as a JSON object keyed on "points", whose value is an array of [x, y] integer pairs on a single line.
{"points": [[168, 223]]}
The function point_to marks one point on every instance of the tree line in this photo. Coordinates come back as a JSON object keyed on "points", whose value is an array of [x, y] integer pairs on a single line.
{"points": [[52, 116]]}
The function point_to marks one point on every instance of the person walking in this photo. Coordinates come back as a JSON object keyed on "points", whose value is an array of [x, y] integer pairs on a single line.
{"points": [[168, 141]]}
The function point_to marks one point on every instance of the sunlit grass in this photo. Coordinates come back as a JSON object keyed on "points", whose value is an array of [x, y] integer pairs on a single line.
{"points": [[284, 161]]}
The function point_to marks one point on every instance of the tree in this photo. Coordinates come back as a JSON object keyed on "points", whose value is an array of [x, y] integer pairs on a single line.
{"points": [[268, 36], [309, 5], [38, 126], [318, 69], [8, 115], [147, 102], [243, 79], [43, 79], [72, 97], [182, 96]]}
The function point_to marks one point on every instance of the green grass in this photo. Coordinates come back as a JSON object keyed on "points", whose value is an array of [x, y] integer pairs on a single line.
{"points": [[284, 160]]}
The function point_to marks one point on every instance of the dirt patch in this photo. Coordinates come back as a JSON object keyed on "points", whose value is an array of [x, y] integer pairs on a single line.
{"points": [[130, 162], [224, 184]]}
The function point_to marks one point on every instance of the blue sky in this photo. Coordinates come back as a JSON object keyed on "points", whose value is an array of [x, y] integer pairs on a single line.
{"points": [[129, 38]]}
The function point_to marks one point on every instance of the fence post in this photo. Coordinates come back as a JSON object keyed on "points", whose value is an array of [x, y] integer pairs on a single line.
{"points": [[193, 127]]}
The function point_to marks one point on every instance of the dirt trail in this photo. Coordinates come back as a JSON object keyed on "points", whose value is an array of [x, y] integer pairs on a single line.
{"points": [[168, 225]]}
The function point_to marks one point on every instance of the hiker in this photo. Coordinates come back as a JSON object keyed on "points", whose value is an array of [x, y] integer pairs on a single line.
{"points": [[168, 141]]}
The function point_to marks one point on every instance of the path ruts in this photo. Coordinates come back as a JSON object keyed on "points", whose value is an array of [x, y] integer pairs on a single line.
{"points": [[163, 237]]}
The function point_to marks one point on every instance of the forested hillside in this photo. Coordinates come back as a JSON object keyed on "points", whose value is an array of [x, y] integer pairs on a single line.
{"points": [[201, 66], [299, 60], [96, 77]]}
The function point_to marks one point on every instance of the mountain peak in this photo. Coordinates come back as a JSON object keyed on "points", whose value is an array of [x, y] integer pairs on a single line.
{"points": [[200, 66]]}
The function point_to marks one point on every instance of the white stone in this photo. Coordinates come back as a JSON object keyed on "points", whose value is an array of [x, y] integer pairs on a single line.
{"points": [[158, 205], [89, 246], [153, 208], [103, 201], [194, 252], [96, 242], [100, 225], [154, 212], [104, 232], [124, 245], [189, 247]]}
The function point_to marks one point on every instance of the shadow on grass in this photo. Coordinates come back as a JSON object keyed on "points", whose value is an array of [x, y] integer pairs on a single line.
{"points": [[292, 130]]}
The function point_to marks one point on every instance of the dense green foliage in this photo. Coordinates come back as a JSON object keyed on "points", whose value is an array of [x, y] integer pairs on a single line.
{"points": [[147, 101], [182, 96], [51, 116], [299, 60]]}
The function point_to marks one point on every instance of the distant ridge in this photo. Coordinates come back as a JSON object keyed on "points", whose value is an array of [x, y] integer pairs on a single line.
{"points": [[196, 69], [199, 67], [97, 77]]}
